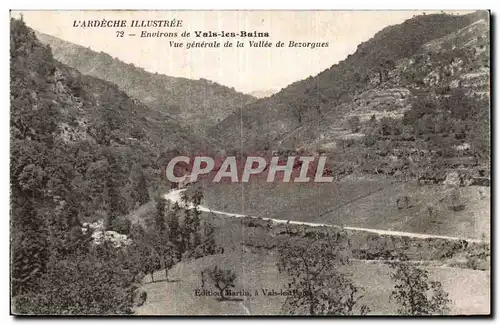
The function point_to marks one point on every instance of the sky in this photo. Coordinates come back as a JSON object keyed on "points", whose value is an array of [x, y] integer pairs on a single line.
{"points": [[246, 69]]}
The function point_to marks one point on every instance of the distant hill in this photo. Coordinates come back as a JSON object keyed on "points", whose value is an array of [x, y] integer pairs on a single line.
{"points": [[301, 113], [263, 93], [198, 104]]}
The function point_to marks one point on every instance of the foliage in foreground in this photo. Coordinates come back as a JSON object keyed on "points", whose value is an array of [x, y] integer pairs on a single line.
{"points": [[318, 285], [415, 293], [222, 279]]}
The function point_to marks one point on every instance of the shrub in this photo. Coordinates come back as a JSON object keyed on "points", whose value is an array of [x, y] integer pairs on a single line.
{"points": [[414, 293], [222, 279]]}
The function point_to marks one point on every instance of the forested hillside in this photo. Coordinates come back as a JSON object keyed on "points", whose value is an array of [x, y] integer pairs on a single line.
{"points": [[81, 151], [418, 88], [198, 104]]}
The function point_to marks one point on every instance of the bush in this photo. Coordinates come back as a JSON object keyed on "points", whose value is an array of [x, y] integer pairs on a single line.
{"points": [[121, 225], [85, 286], [313, 267], [354, 123], [403, 202], [370, 139], [455, 200], [222, 279], [415, 293]]}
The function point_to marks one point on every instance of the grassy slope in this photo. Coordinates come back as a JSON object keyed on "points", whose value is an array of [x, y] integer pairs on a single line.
{"points": [[287, 200], [257, 271], [367, 203], [379, 211]]}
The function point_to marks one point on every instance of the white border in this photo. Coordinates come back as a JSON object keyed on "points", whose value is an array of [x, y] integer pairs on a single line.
{"points": [[185, 4]]}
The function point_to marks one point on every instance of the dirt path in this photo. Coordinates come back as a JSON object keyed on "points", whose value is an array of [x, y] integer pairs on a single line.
{"points": [[175, 196]]}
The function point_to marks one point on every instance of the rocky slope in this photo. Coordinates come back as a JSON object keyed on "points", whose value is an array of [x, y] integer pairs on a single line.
{"points": [[430, 52], [456, 61]]}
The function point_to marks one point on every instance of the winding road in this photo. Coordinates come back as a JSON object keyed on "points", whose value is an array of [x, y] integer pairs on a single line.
{"points": [[175, 196]]}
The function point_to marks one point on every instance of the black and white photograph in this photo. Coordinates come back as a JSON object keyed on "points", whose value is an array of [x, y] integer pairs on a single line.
{"points": [[250, 163]]}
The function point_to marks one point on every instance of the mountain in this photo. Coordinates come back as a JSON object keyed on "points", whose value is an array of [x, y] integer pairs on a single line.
{"points": [[83, 132], [313, 108], [198, 104], [81, 150]]}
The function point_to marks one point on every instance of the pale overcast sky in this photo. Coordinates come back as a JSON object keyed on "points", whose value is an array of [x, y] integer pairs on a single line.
{"points": [[246, 69]]}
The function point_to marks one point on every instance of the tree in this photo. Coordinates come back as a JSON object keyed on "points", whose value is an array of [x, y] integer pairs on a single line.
{"points": [[222, 279], [191, 230], [354, 123], [389, 126], [371, 137], [313, 267], [142, 189], [455, 199], [421, 104], [174, 234], [121, 225], [383, 69], [56, 266], [460, 105], [372, 122], [32, 156], [414, 293], [29, 258], [151, 260], [164, 250], [147, 257], [209, 244], [168, 258], [403, 202], [431, 209], [85, 284], [115, 204], [160, 224]]}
